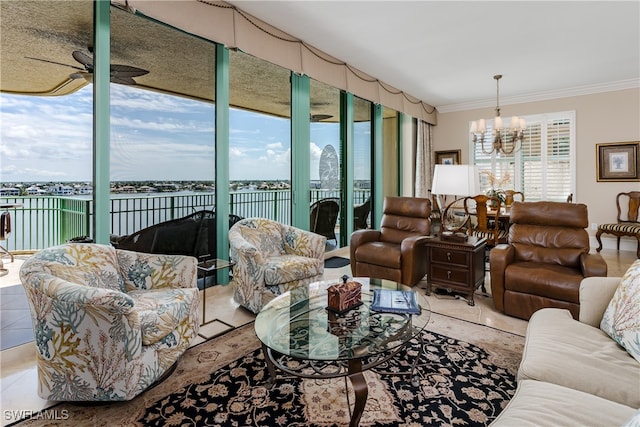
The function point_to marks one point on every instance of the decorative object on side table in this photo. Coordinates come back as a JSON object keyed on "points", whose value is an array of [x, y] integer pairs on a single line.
{"points": [[458, 181], [344, 296], [454, 237]]}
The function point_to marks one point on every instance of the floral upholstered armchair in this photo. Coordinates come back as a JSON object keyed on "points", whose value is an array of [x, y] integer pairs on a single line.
{"points": [[108, 323], [272, 258]]}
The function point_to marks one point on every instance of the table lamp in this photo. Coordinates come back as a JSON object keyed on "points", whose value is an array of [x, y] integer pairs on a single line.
{"points": [[453, 180]]}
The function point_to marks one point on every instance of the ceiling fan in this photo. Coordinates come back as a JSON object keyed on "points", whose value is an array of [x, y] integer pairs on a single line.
{"points": [[122, 74], [318, 117]]}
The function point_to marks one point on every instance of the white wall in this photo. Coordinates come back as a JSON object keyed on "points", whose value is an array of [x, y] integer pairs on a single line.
{"points": [[600, 118]]}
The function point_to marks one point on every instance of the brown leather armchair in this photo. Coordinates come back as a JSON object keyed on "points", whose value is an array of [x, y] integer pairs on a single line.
{"points": [[545, 259], [397, 251]]}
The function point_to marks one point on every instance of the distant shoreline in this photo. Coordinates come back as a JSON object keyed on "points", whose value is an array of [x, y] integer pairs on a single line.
{"points": [[146, 187]]}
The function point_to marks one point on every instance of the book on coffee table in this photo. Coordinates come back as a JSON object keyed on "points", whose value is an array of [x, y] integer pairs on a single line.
{"points": [[392, 301]]}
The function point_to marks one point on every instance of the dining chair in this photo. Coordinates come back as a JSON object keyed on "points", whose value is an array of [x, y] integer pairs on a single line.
{"points": [[627, 222], [484, 222], [511, 196]]}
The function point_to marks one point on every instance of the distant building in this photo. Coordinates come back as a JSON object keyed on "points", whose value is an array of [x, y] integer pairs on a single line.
{"points": [[167, 188], [147, 189], [126, 189], [34, 190], [9, 191], [60, 190], [83, 189]]}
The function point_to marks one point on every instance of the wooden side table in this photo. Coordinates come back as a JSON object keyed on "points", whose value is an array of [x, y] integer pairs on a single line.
{"points": [[457, 266]]}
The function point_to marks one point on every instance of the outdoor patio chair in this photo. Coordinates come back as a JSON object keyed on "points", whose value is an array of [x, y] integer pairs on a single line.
{"points": [[361, 215], [323, 217], [193, 235], [5, 230]]}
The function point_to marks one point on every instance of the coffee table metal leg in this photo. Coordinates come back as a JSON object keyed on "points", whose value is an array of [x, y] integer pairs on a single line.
{"points": [[415, 381], [266, 351], [360, 389]]}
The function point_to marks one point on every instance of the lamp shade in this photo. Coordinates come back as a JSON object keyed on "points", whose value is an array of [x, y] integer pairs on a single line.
{"points": [[455, 180]]}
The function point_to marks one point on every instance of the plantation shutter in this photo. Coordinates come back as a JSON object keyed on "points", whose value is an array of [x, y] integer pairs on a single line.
{"points": [[558, 172], [544, 166]]}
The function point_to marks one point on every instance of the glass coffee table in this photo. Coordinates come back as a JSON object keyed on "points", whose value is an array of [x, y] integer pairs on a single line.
{"points": [[302, 338]]}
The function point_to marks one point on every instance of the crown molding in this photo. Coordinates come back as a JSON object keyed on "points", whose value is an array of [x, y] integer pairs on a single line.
{"points": [[543, 96]]}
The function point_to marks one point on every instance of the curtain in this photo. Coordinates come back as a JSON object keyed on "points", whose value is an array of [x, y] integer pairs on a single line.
{"points": [[423, 160]]}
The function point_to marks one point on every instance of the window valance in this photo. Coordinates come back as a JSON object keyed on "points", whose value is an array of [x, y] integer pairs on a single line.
{"points": [[223, 23]]}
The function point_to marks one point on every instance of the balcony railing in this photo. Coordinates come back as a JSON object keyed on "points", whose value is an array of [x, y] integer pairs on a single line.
{"points": [[45, 221]]}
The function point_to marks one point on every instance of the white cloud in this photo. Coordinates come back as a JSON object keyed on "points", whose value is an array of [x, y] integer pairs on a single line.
{"points": [[236, 152], [274, 146], [316, 151]]}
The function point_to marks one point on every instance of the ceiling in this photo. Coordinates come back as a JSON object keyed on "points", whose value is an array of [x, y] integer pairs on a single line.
{"points": [[447, 52]]}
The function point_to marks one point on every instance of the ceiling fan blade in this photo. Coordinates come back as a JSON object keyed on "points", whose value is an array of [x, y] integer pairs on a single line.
{"points": [[318, 117], [126, 71], [83, 58], [54, 62], [123, 80]]}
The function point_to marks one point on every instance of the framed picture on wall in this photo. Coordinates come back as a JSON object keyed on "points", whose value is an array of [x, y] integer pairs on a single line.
{"points": [[451, 157], [618, 161]]}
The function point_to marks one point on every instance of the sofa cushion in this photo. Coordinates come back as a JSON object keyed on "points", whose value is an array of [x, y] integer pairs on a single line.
{"points": [[621, 320], [563, 351], [161, 311], [289, 268], [538, 403]]}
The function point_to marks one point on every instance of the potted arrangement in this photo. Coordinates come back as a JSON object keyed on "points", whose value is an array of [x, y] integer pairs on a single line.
{"points": [[495, 189]]}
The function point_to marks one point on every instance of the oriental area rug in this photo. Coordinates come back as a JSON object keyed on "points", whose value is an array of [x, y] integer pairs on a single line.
{"points": [[466, 377]]}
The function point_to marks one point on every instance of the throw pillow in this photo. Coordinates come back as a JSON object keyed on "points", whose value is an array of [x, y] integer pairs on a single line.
{"points": [[621, 320]]}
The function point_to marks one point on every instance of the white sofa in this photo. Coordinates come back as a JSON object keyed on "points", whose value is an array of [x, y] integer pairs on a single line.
{"points": [[572, 373]]}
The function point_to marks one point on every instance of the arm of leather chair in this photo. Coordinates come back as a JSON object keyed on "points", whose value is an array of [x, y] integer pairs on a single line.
{"points": [[593, 265], [499, 258], [413, 251], [411, 243], [360, 237]]}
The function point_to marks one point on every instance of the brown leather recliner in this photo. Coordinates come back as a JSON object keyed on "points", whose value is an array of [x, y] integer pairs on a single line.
{"points": [[397, 251], [545, 259]]}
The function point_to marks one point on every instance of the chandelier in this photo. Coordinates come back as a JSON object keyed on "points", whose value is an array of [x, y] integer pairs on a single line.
{"points": [[515, 130]]}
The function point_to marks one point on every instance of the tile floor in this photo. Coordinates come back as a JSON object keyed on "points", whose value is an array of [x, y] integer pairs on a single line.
{"points": [[17, 364]]}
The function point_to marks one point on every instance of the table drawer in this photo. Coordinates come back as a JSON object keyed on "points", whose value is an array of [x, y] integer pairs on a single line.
{"points": [[445, 274], [448, 256]]}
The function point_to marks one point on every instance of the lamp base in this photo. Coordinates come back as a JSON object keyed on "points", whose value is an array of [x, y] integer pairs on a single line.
{"points": [[453, 237]]}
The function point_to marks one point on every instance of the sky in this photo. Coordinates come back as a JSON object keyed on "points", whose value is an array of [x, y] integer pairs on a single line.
{"points": [[153, 137]]}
